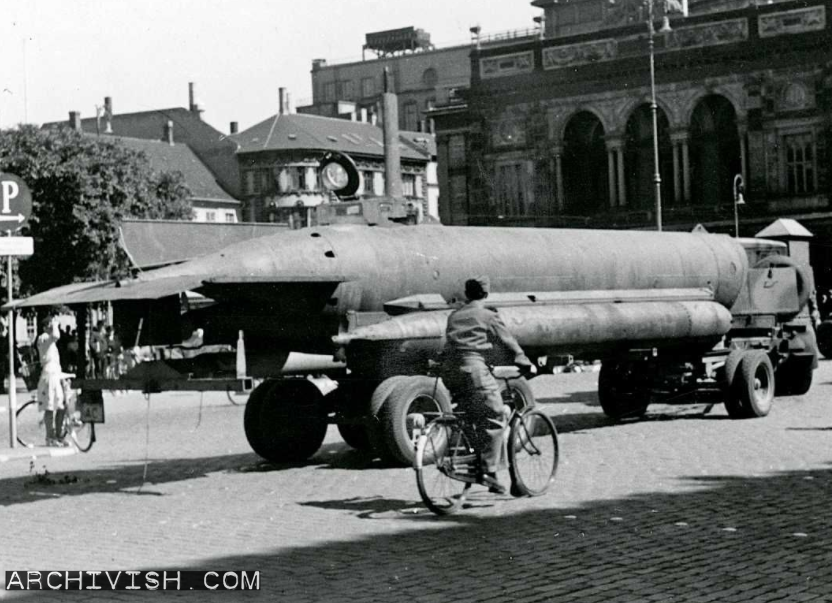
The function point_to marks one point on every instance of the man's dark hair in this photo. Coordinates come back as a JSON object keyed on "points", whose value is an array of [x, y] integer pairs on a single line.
{"points": [[475, 289]]}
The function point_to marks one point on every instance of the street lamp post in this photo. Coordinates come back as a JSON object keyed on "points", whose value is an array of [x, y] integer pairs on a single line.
{"points": [[657, 177], [739, 188]]}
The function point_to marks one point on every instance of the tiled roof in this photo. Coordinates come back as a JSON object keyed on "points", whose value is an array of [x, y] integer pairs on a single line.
{"points": [[180, 157], [296, 131]]}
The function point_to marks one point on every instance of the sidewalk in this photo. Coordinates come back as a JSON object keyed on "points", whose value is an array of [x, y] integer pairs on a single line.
{"points": [[21, 453]]}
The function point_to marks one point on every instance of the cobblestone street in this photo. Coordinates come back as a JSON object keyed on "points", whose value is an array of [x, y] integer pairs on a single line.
{"points": [[681, 506]]}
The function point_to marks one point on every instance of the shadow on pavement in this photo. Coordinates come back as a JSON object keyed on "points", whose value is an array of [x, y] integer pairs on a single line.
{"points": [[723, 539]]}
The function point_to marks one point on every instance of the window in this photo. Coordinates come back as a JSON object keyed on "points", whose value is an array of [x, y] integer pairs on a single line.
{"points": [[456, 151], [512, 192], [409, 185], [230, 216], [258, 181], [292, 179], [210, 216], [411, 117], [329, 92], [368, 87], [800, 163], [367, 177], [347, 90]]}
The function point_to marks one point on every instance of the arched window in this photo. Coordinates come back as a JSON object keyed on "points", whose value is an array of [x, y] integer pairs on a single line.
{"points": [[585, 183], [715, 151]]}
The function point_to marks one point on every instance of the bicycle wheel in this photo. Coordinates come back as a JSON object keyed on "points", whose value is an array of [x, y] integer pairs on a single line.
{"points": [[533, 452], [29, 431], [442, 453], [83, 435]]}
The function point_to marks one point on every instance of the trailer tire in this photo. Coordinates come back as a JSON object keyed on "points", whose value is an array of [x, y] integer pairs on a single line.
{"points": [[824, 338], [619, 398], [417, 394], [755, 383], [352, 406], [375, 428], [288, 422], [733, 403]]}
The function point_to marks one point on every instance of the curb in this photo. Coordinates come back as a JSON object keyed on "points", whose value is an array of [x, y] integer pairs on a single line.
{"points": [[23, 454]]}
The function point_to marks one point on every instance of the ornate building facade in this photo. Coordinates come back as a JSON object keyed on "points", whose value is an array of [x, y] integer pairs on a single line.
{"points": [[558, 131]]}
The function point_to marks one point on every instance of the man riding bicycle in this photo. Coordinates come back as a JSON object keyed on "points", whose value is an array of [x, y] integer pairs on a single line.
{"points": [[476, 334]]}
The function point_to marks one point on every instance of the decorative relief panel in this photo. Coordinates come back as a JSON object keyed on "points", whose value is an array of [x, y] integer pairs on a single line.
{"points": [[509, 64], [794, 97], [800, 20], [710, 34], [571, 55]]}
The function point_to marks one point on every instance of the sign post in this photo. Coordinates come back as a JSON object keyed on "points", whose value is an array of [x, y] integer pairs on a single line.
{"points": [[15, 209]]}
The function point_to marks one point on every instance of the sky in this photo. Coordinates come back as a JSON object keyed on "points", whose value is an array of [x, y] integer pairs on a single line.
{"points": [[58, 56]]}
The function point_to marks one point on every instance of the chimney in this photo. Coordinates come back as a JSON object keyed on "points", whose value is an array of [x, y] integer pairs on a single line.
{"points": [[390, 130], [193, 103], [318, 64], [234, 127], [168, 137], [75, 120], [284, 100], [108, 115]]}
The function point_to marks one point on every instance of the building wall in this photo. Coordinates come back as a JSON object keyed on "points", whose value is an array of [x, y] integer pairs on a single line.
{"points": [[420, 79], [274, 190], [558, 131]]}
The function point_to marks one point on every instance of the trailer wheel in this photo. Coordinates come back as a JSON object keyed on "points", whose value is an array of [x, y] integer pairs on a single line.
{"points": [[824, 337], [287, 422], [619, 395], [352, 403], [733, 403], [420, 394], [755, 383], [375, 428]]}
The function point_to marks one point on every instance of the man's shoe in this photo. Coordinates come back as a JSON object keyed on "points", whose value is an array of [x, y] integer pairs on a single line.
{"points": [[494, 485]]}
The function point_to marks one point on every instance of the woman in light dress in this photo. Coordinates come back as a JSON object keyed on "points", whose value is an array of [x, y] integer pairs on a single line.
{"points": [[51, 396]]}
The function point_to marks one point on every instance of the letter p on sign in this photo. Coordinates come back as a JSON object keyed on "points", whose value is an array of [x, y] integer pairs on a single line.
{"points": [[15, 202]]}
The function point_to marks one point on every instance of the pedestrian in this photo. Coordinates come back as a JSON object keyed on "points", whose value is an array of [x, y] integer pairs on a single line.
{"points": [[98, 343], [50, 395], [475, 338]]}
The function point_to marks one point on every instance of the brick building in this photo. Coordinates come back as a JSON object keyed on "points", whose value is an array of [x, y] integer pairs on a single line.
{"points": [[557, 131]]}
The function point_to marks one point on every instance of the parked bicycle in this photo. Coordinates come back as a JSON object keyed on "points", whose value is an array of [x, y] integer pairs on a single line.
{"points": [[447, 464], [78, 427]]}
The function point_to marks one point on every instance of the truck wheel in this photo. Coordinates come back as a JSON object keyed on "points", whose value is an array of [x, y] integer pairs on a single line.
{"points": [[754, 383], [794, 377], [288, 423], [418, 394], [824, 336], [620, 398], [733, 403]]}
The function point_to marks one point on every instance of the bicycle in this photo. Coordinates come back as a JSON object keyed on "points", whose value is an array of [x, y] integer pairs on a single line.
{"points": [[74, 428], [447, 465]]}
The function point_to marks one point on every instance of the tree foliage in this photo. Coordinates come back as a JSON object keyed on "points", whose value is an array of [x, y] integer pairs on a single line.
{"points": [[82, 187]]}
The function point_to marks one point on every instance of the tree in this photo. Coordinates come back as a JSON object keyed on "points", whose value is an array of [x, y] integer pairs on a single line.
{"points": [[82, 187]]}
